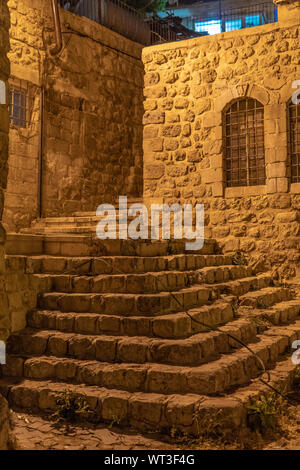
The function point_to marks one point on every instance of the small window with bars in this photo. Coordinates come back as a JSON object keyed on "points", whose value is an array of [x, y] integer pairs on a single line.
{"points": [[294, 141], [244, 143], [18, 106]]}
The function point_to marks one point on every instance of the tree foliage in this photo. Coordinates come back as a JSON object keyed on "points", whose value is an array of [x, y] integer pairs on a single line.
{"points": [[147, 6]]}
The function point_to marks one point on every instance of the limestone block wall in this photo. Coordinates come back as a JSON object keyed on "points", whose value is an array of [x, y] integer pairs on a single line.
{"points": [[22, 290], [187, 87], [94, 106], [26, 56], [4, 73], [4, 126], [93, 95]]}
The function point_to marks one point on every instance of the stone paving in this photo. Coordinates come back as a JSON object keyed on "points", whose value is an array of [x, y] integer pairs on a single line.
{"points": [[31, 432]]}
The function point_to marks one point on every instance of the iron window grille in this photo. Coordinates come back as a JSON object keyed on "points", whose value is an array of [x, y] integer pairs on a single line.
{"points": [[19, 103], [294, 141], [244, 143]]}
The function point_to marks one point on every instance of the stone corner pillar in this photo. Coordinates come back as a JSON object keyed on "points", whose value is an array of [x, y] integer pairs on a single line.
{"points": [[288, 11], [4, 129]]}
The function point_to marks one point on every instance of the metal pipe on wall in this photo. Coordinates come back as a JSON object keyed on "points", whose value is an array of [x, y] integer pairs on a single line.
{"points": [[41, 153], [54, 51], [57, 26]]}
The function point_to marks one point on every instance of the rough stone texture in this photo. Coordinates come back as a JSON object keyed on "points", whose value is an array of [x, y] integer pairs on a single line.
{"points": [[37, 433], [21, 290], [125, 343], [4, 73], [187, 86], [93, 116]]}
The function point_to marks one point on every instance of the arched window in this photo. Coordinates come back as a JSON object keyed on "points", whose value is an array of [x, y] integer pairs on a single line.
{"points": [[294, 141], [244, 143]]}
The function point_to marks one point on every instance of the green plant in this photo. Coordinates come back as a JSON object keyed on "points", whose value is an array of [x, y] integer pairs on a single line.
{"points": [[70, 407], [147, 6], [239, 258], [263, 413], [296, 377]]}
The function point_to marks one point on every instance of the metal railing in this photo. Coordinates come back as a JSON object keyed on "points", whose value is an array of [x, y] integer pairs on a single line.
{"points": [[115, 15], [237, 18]]}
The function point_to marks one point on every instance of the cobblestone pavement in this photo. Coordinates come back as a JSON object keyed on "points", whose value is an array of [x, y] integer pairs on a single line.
{"points": [[37, 433]]}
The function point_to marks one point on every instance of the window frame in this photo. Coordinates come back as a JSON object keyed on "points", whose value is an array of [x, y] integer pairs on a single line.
{"points": [[260, 178], [290, 143], [21, 87]]}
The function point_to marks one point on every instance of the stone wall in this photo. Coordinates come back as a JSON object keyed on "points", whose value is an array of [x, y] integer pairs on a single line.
{"points": [[187, 87], [4, 73], [93, 94]]}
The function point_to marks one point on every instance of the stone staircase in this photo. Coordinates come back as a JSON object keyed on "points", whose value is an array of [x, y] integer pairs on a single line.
{"points": [[129, 333]]}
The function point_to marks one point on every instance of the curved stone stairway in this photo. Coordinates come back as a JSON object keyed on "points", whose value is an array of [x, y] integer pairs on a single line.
{"points": [[120, 331]]}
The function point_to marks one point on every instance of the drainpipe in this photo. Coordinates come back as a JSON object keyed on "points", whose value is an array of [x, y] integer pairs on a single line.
{"points": [[41, 153], [54, 51], [57, 25]]}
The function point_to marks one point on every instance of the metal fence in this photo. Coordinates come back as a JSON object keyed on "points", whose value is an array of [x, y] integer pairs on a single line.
{"points": [[234, 18], [115, 15]]}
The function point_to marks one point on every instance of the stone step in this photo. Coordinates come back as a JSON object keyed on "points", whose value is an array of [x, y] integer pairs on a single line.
{"points": [[188, 413], [240, 287], [178, 325], [92, 219], [171, 326], [198, 349], [122, 264], [213, 378], [266, 297], [74, 245], [140, 283], [127, 304], [279, 314]]}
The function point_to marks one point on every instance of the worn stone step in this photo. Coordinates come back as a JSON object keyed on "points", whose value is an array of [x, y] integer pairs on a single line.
{"points": [[280, 313], [212, 378], [127, 304], [208, 379], [189, 413], [70, 245], [178, 325], [240, 287], [266, 297], [139, 283], [139, 410], [122, 264], [195, 350]]}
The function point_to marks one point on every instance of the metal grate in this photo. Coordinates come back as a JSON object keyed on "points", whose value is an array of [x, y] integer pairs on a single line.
{"points": [[244, 143], [294, 142], [18, 106], [216, 19]]}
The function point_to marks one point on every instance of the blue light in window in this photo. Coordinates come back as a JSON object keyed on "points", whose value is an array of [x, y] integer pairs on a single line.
{"points": [[253, 20], [210, 27], [230, 25]]}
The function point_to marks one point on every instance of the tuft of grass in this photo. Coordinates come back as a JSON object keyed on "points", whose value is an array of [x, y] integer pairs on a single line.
{"points": [[70, 407], [239, 258], [296, 377], [263, 413]]}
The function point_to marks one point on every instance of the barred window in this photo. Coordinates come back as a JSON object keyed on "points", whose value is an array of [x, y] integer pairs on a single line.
{"points": [[18, 106], [244, 143], [294, 142]]}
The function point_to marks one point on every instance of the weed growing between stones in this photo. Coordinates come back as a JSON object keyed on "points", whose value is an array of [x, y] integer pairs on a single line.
{"points": [[70, 408], [263, 413], [239, 258]]}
